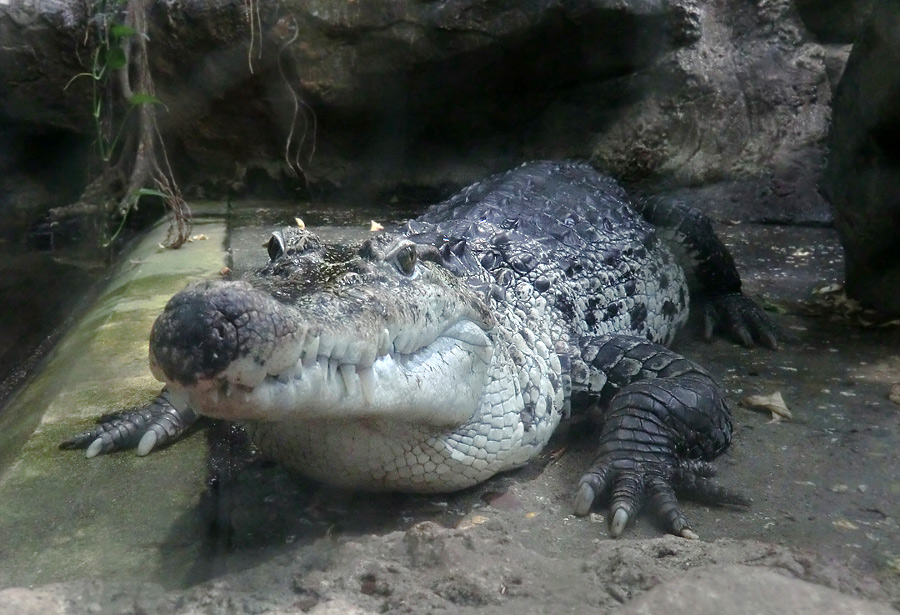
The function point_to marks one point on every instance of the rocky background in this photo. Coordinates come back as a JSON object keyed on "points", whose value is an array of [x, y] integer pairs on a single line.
{"points": [[722, 100], [410, 98]]}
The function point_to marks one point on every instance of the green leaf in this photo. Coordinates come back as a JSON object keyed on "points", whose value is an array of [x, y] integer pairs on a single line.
{"points": [[115, 58], [151, 192], [119, 31], [144, 99]]}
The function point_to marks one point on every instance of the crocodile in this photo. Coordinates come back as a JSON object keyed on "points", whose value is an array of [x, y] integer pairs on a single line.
{"points": [[432, 357]]}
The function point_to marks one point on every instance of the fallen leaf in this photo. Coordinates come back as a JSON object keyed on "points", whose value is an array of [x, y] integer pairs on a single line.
{"points": [[845, 525], [894, 564], [472, 521], [831, 288], [375, 227], [774, 403]]}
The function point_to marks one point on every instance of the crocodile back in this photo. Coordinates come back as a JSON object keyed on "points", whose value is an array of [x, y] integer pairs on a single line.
{"points": [[562, 235]]}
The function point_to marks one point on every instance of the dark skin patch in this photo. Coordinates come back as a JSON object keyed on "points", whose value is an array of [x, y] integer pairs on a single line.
{"points": [[564, 305], [669, 309], [638, 316]]}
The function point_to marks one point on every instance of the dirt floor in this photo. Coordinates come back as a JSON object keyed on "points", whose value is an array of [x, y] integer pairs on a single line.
{"points": [[825, 490], [825, 484]]}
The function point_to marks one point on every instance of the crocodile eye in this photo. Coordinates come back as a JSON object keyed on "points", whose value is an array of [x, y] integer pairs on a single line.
{"points": [[406, 259], [275, 247]]}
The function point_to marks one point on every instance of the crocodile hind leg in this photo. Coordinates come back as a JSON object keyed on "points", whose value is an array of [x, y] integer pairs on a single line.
{"points": [[666, 417], [145, 428], [712, 274]]}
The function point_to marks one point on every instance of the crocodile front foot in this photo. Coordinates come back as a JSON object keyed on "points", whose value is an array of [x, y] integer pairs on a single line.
{"points": [[634, 485], [146, 428]]}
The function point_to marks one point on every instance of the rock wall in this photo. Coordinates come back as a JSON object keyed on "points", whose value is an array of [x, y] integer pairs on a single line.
{"points": [[376, 98], [862, 178]]}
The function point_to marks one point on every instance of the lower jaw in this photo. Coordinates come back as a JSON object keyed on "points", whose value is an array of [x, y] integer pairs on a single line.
{"points": [[377, 456]]}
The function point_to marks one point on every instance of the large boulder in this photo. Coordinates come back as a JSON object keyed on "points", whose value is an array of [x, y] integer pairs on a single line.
{"points": [[834, 21], [862, 178], [747, 590]]}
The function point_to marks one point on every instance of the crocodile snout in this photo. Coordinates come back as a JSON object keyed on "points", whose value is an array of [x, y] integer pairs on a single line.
{"points": [[210, 325]]}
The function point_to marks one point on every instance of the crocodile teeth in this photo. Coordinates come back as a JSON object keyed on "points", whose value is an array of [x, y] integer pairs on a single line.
{"points": [[351, 380], [384, 343], [362, 353], [339, 351], [332, 367], [404, 343], [353, 352], [367, 383], [310, 350], [326, 345], [367, 354]]}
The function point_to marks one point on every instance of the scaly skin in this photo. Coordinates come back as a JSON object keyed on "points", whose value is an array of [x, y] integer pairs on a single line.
{"points": [[431, 358]]}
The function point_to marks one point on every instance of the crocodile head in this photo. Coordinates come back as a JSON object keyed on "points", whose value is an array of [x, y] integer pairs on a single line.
{"points": [[329, 332]]}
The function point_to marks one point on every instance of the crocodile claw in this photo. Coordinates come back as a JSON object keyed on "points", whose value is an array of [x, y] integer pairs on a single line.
{"points": [[145, 428], [630, 489], [738, 316], [633, 488]]}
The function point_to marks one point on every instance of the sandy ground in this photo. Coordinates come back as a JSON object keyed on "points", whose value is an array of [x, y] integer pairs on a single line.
{"points": [[825, 487]]}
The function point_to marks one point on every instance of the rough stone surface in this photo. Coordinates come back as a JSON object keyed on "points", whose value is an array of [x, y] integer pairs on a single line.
{"points": [[22, 601], [484, 570], [404, 95], [863, 174], [746, 590]]}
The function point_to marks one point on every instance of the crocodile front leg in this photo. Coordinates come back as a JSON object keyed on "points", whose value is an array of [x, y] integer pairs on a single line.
{"points": [[146, 428], [666, 417]]}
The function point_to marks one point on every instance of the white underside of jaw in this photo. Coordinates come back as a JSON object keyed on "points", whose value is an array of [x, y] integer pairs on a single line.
{"points": [[439, 383]]}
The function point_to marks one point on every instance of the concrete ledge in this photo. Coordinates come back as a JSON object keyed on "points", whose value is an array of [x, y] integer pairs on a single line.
{"points": [[62, 516]]}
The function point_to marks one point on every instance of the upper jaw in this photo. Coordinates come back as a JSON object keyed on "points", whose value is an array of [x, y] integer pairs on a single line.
{"points": [[265, 358], [438, 383]]}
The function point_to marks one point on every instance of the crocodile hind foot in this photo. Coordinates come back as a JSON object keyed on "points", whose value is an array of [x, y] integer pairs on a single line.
{"points": [[738, 316], [146, 428], [654, 441]]}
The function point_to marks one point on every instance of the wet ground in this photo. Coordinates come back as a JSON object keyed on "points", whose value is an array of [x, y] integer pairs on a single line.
{"points": [[825, 485]]}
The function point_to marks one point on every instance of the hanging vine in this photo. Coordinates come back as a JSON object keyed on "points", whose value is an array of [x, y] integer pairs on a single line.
{"points": [[133, 157], [295, 142], [125, 111]]}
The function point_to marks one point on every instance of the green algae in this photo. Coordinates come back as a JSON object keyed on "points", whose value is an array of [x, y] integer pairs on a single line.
{"points": [[63, 516]]}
